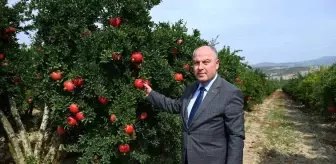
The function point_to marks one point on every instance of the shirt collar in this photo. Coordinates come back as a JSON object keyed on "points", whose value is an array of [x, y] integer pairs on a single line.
{"points": [[208, 84]]}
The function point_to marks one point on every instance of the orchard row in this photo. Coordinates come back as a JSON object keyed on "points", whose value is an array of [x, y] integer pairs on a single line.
{"points": [[317, 90]]}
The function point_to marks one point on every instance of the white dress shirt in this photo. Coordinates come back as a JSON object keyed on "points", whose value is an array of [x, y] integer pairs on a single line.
{"points": [[193, 99]]}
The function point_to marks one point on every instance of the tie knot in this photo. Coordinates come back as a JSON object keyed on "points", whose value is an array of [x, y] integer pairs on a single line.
{"points": [[202, 89]]}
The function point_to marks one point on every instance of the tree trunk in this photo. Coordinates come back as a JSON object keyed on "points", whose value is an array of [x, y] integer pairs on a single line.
{"points": [[44, 123], [41, 138], [13, 140], [55, 147], [22, 131]]}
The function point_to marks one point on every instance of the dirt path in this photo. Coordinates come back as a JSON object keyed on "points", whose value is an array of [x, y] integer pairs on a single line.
{"points": [[278, 131]]}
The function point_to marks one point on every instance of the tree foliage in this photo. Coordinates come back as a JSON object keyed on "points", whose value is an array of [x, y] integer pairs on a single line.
{"points": [[316, 90], [79, 81]]}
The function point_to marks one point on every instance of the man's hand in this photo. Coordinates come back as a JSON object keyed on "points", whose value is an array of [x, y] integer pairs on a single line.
{"points": [[147, 89]]}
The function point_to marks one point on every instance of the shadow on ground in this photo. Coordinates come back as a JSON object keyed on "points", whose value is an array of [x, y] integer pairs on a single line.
{"points": [[274, 157]]}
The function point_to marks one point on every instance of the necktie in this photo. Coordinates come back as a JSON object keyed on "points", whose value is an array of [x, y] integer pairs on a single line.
{"points": [[196, 104]]}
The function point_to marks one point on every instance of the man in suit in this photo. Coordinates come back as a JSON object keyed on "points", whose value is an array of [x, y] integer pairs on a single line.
{"points": [[212, 111]]}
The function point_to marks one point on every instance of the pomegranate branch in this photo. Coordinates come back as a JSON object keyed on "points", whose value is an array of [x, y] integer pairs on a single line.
{"points": [[22, 132]]}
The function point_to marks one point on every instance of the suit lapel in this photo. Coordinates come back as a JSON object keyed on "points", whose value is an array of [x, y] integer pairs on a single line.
{"points": [[207, 99]]}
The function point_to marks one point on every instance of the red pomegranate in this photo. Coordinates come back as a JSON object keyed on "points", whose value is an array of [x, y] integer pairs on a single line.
{"points": [[17, 79], [174, 51], [69, 85], [78, 81], [74, 108], [178, 76], [38, 75], [115, 22], [332, 109], [124, 148], [71, 121], [60, 130], [186, 67], [113, 118], [2, 57], [138, 83], [80, 116], [129, 129], [116, 56], [143, 115], [102, 100], [137, 57], [56, 75], [10, 30], [238, 80]]}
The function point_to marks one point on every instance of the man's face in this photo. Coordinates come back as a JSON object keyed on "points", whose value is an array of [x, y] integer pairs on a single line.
{"points": [[205, 64]]}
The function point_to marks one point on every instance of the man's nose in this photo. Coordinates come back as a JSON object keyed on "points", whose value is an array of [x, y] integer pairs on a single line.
{"points": [[200, 66]]}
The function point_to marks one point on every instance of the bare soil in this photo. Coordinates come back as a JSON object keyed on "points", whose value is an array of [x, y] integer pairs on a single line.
{"points": [[281, 131]]}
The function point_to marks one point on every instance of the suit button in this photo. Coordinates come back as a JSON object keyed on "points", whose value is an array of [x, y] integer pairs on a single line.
{"points": [[188, 133]]}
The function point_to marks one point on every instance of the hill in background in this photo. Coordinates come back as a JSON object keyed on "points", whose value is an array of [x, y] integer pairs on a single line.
{"points": [[325, 60], [290, 69]]}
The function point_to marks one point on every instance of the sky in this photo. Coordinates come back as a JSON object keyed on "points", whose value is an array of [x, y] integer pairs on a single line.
{"points": [[265, 30]]}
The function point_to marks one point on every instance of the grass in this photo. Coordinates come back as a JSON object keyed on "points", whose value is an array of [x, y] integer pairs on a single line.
{"points": [[280, 133]]}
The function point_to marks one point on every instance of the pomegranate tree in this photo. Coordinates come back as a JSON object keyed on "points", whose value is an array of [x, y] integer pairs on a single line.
{"points": [[86, 82]]}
